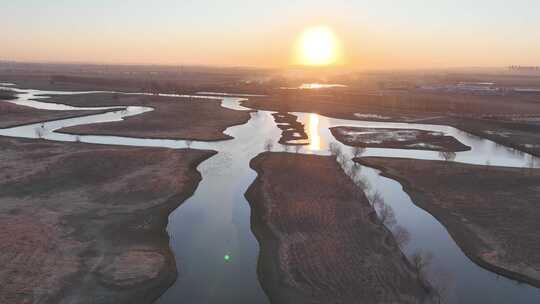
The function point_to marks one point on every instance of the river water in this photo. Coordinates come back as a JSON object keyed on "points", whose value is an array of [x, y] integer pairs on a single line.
{"points": [[216, 252]]}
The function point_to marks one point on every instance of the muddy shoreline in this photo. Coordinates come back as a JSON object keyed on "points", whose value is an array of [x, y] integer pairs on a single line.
{"points": [[496, 235], [87, 223], [326, 244]]}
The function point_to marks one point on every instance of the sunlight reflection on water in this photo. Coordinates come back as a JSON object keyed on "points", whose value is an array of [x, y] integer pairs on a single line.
{"points": [[314, 86], [313, 132]]}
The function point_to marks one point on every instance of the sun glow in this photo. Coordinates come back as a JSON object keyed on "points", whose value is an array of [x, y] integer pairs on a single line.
{"points": [[318, 46]]}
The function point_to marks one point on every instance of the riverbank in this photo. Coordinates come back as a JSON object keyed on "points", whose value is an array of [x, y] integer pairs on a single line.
{"points": [[491, 212], [320, 239], [85, 223], [172, 118]]}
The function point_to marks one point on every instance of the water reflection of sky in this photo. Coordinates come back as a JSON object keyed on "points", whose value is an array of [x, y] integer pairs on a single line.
{"points": [[313, 132], [314, 86]]}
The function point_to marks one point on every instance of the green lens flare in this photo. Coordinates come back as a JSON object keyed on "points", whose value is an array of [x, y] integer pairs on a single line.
{"points": [[227, 258]]}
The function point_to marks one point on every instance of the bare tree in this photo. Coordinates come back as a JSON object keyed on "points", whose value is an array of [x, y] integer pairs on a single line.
{"points": [[353, 171], [334, 148], [443, 283], [402, 236], [386, 215], [375, 198], [268, 145], [286, 148], [40, 132], [358, 151], [342, 160], [363, 184], [384, 211], [447, 156], [420, 261], [189, 142], [488, 165]]}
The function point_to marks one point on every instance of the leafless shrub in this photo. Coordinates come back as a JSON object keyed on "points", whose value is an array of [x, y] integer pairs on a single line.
{"points": [[531, 164], [342, 159], [420, 261], [384, 211], [40, 132], [386, 214], [353, 171], [362, 183], [335, 150], [402, 236], [447, 156], [268, 145], [375, 198], [488, 165], [358, 151], [443, 283]]}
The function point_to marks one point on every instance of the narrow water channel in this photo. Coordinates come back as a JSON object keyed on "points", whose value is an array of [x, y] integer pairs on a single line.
{"points": [[210, 233]]}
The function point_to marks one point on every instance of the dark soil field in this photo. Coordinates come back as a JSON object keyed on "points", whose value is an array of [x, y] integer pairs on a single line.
{"points": [[397, 139], [320, 239], [491, 212], [86, 223], [173, 117]]}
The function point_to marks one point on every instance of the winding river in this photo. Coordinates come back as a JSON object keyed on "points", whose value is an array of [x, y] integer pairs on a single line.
{"points": [[210, 232]]}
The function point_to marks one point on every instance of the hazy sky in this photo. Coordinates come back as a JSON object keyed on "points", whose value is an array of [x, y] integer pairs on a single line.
{"points": [[373, 34]]}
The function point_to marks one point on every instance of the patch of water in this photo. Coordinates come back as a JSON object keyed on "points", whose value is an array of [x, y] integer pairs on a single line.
{"points": [[229, 94], [315, 86]]}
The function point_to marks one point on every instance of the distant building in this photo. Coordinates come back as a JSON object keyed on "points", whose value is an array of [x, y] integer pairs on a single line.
{"points": [[524, 68]]}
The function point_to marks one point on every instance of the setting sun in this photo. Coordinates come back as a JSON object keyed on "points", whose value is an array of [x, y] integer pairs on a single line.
{"points": [[318, 46]]}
